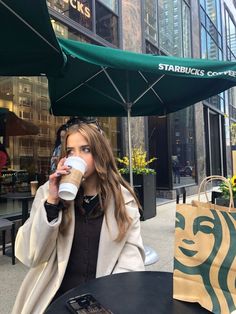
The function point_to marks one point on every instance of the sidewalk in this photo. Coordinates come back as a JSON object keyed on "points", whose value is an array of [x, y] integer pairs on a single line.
{"points": [[157, 233]]}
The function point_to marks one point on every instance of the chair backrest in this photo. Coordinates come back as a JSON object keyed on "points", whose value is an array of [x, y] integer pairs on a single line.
{"points": [[179, 192], [214, 195]]}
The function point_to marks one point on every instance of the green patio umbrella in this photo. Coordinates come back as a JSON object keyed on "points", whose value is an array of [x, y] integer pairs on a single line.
{"points": [[28, 43], [102, 81]]}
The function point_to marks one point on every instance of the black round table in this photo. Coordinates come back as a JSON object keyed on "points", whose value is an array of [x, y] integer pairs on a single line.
{"points": [[147, 292], [24, 197]]}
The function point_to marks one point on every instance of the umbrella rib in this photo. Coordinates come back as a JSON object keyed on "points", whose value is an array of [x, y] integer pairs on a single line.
{"points": [[150, 87], [100, 92], [114, 85], [77, 87], [22, 20]]}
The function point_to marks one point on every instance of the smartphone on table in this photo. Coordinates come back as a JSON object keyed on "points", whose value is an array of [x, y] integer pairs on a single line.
{"points": [[84, 304]]}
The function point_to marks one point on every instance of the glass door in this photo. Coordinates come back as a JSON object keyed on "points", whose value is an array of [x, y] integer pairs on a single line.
{"points": [[215, 137]]}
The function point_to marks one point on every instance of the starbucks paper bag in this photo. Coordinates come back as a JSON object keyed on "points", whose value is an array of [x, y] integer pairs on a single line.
{"points": [[205, 255]]}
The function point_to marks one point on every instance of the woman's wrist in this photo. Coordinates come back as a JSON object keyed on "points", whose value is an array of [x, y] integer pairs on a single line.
{"points": [[53, 210]]}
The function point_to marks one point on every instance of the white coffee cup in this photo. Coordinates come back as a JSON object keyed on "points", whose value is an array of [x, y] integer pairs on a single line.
{"points": [[70, 183]]}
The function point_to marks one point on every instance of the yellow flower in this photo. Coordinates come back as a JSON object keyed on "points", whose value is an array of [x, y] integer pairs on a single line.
{"points": [[225, 189], [233, 180], [139, 162]]}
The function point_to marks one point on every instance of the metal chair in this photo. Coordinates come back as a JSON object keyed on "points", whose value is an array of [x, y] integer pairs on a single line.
{"points": [[214, 195], [5, 225], [179, 192]]}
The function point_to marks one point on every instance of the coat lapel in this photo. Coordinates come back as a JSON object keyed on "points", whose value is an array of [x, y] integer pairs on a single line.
{"points": [[64, 242], [109, 249]]}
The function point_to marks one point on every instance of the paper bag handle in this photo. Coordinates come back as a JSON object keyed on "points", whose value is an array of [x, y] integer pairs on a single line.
{"points": [[206, 180]]}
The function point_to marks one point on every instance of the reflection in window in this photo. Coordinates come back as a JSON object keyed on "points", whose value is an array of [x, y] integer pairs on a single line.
{"points": [[60, 6], [212, 48], [106, 24], [167, 25], [151, 49], [111, 127], [230, 37], [24, 88], [44, 131], [183, 146], [111, 4], [211, 41], [82, 13], [59, 29], [186, 30], [24, 101], [150, 20], [203, 43], [212, 9], [27, 115], [170, 25]]}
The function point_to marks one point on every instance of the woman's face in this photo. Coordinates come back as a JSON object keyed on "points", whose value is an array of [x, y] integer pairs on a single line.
{"points": [[77, 145], [193, 233]]}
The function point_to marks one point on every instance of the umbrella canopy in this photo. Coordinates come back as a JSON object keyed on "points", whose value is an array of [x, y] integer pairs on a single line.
{"points": [[102, 81], [28, 42], [12, 125]]}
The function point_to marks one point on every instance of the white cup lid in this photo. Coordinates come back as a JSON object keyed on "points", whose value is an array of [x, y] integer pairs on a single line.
{"points": [[77, 163]]}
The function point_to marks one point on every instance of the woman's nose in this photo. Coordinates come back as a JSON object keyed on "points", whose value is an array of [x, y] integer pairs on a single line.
{"points": [[77, 153]]}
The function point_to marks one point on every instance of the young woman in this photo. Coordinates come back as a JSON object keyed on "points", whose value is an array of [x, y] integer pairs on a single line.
{"points": [[68, 243]]}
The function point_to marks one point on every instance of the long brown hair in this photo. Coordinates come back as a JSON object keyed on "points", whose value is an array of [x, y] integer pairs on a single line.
{"points": [[109, 178]]}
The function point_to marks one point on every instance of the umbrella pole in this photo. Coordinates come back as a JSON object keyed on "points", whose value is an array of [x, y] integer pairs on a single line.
{"points": [[130, 148]]}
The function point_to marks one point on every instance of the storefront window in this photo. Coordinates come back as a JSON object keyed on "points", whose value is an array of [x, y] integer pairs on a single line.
{"points": [[78, 11], [183, 147], [106, 24], [106, 17], [81, 12]]}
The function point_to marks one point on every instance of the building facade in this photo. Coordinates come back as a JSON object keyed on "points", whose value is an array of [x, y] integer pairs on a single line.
{"points": [[190, 144], [200, 138]]}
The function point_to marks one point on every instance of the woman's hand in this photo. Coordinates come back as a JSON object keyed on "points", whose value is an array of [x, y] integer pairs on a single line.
{"points": [[54, 180]]}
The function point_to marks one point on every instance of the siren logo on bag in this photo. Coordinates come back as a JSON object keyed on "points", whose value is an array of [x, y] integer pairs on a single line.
{"points": [[205, 257]]}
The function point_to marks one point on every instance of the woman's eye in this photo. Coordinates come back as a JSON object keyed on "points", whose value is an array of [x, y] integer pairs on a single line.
{"points": [[69, 152], [86, 149]]}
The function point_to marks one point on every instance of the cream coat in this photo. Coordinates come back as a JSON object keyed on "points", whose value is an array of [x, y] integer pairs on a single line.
{"points": [[45, 248]]}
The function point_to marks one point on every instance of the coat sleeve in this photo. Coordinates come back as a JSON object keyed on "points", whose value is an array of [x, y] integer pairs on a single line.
{"points": [[36, 239], [132, 256]]}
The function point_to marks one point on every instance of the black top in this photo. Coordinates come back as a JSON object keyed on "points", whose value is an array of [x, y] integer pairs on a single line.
{"points": [[82, 262]]}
